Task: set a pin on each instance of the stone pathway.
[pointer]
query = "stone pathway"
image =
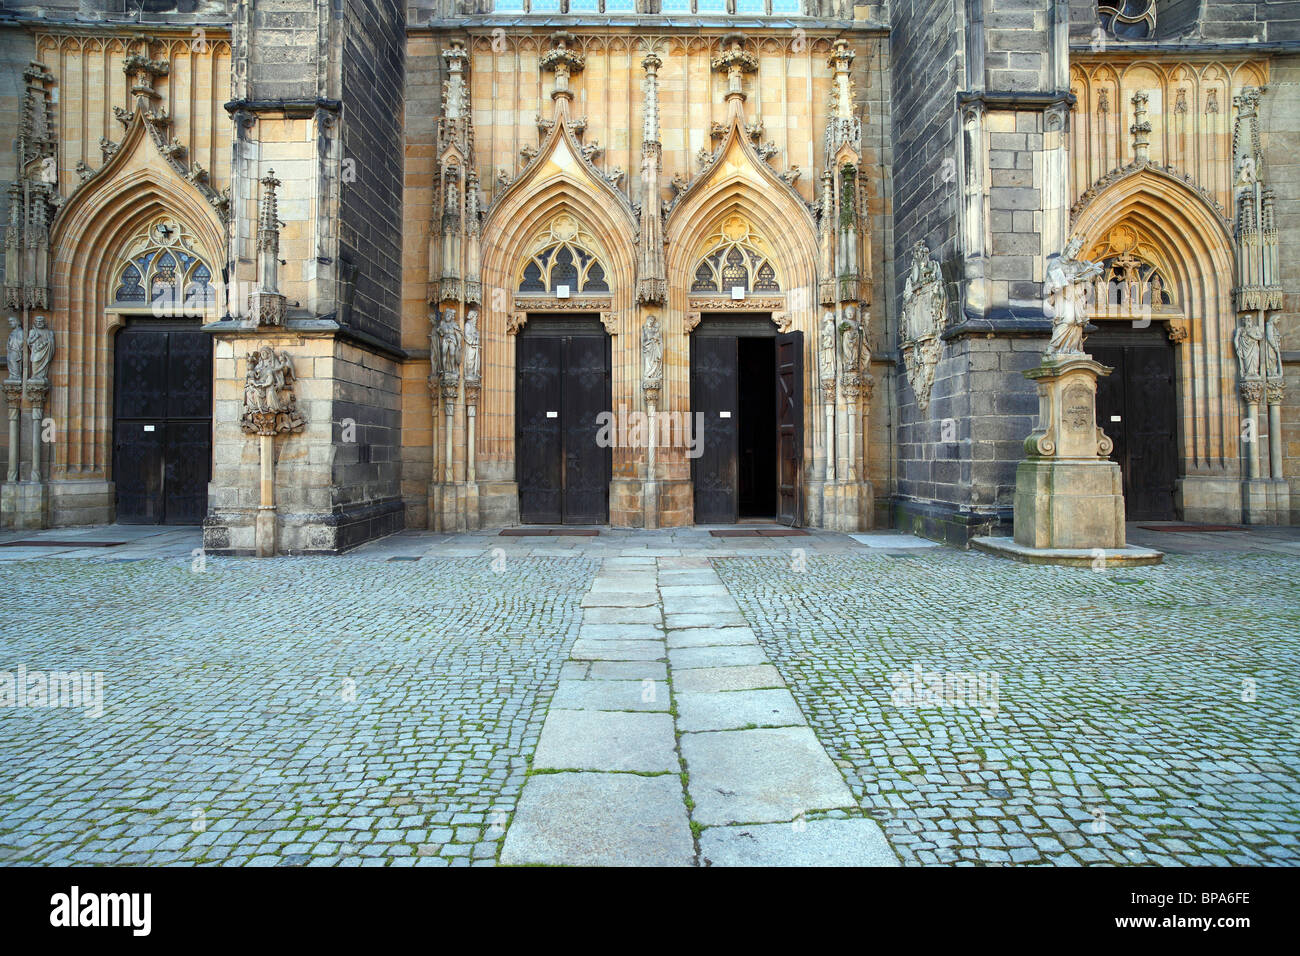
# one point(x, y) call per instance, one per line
point(434, 700)
point(671, 740)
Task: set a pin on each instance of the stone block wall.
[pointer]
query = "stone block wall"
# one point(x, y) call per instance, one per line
point(372, 61)
point(1280, 133)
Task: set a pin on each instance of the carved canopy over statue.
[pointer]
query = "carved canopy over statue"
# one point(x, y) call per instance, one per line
point(270, 405)
point(1068, 281)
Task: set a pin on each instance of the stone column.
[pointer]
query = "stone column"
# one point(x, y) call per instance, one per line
point(264, 525)
point(1274, 392)
point(14, 399)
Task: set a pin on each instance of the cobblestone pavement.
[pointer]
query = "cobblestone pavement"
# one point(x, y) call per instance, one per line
point(386, 706)
point(301, 711)
point(1144, 716)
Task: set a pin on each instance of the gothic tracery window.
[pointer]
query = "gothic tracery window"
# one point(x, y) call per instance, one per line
point(562, 256)
point(1132, 275)
point(735, 258)
point(1129, 19)
point(162, 269)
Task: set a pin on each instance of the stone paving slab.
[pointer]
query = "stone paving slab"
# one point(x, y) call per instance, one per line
point(619, 632)
point(622, 615)
point(611, 695)
point(718, 656)
point(760, 776)
point(857, 842)
point(715, 618)
point(628, 670)
point(606, 740)
point(713, 679)
point(617, 650)
point(734, 709)
point(600, 819)
point(620, 599)
point(711, 636)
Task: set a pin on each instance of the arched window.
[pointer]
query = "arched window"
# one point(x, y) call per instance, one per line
point(735, 258)
point(1129, 280)
point(162, 270)
point(1132, 275)
point(563, 257)
point(1129, 19)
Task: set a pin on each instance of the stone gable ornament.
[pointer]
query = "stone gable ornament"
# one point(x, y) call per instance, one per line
point(1068, 281)
point(266, 306)
point(925, 311)
point(270, 405)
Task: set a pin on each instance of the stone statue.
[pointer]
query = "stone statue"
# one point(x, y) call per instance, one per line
point(923, 296)
point(1272, 350)
point(925, 312)
point(449, 339)
point(40, 349)
point(1249, 342)
point(652, 353)
point(850, 340)
point(826, 348)
point(15, 349)
point(270, 404)
point(472, 364)
point(1068, 278)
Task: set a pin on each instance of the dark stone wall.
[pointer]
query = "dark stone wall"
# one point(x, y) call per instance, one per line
point(282, 61)
point(370, 214)
point(367, 399)
point(367, 445)
point(925, 75)
point(1018, 43)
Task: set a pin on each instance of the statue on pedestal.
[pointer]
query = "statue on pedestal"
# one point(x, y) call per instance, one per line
point(1068, 278)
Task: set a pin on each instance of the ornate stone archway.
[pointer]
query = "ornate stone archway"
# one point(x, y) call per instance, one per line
point(1171, 231)
point(89, 239)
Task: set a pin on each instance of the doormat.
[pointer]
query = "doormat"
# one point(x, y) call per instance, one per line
point(55, 543)
point(548, 532)
point(760, 533)
point(1191, 527)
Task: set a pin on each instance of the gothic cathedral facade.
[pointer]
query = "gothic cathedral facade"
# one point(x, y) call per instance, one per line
point(309, 273)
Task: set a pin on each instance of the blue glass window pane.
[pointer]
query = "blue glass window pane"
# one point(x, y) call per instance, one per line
point(620, 6)
point(675, 6)
point(509, 6)
point(584, 6)
point(545, 6)
point(792, 7)
point(750, 6)
point(711, 6)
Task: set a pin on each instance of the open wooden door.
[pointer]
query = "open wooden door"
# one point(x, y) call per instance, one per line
point(789, 424)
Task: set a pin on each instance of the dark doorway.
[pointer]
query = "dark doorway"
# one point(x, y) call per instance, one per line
point(162, 423)
point(562, 385)
point(756, 484)
point(1137, 407)
point(747, 389)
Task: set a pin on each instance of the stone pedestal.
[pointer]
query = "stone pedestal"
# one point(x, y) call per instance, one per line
point(846, 506)
point(1069, 504)
point(1266, 501)
point(25, 505)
